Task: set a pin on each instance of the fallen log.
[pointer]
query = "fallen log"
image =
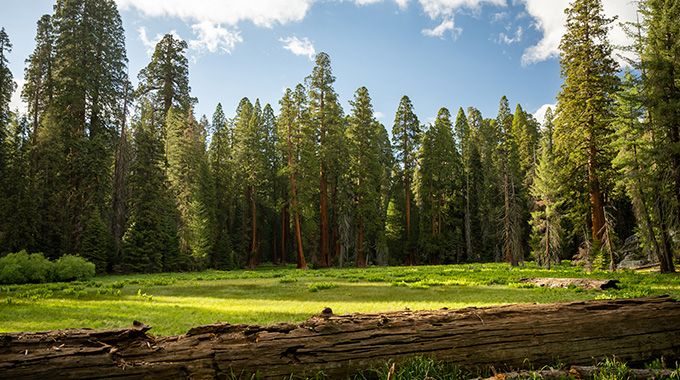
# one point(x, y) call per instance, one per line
point(585, 283)
point(634, 330)
point(582, 372)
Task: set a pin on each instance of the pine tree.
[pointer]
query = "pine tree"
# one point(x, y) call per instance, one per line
point(165, 80)
point(661, 66)
point(7, 84)
point(38, 89)
point(365, 170)
point(509, 161)
point(406, 137)
point(89, 76)
point(438, 175)
point(582, 131)
point(190, 183)
point(546, 191)
point(288, 122)
point(223, 166)
point(96, 242)
point(147, 243)
point(638, 173)
point(325, 121)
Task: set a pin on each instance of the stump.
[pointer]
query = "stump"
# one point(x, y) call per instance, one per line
point(579, 333)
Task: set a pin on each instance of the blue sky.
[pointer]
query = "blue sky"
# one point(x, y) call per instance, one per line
point(441, 53)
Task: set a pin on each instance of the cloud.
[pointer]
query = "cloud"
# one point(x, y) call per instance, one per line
point(505, 39)
point(299, 46)
point(15, 102)
point(264, 13)
point(439, 31)
point(445, 11)
point(151, 43)
point(550, 20)
point(213, 38)
point(539, 115)
point(378, 115)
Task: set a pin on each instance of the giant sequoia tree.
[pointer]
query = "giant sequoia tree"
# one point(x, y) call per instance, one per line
point(582, 131)
point(406, 140)
point(325, 118)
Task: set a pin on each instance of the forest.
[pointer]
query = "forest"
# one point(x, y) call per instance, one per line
point(132, 180)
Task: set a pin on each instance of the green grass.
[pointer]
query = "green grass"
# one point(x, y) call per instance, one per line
point(174, 302)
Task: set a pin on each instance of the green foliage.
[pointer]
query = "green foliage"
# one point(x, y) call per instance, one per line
point(73, 268)
point(96, 242)
point(316, 286)
point(22, 268)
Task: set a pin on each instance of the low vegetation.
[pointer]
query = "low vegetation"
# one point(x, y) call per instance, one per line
point(174, 302)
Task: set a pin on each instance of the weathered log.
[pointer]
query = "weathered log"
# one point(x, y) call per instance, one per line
point(581, 372)
point(585, 283)
point(634, 330)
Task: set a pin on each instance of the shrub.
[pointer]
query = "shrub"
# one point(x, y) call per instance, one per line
point(70, 268)
point(315, 287)
point(22, 268)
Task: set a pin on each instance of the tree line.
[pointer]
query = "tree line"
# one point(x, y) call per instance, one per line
point(130, 179)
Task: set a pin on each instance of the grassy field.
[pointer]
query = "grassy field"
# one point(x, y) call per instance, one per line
point(174, 302)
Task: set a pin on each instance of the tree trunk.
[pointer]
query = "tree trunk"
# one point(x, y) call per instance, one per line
point(596, 199)
point(639, 331)
point(324, 252)
point(361, 258)
point(411, 260)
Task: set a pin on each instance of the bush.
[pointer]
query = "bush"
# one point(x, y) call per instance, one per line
point(73, 268)
point(315, 287)
point(22, 268)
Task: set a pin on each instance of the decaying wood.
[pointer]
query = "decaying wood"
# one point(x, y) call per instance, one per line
point(585, 283)
point(581, 372)
point(634, 330)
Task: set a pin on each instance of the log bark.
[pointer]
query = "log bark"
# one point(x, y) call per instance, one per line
point(580, 372)
point(636, 331)
point(585, 283)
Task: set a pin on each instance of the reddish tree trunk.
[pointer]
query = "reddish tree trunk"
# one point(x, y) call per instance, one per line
point(324, 252)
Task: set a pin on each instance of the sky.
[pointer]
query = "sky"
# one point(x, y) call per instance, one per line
point(440, 53)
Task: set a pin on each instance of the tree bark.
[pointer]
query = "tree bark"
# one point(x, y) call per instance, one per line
point(638, 331)
point(324, 252)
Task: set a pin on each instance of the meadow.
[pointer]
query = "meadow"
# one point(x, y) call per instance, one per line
point(174, 302)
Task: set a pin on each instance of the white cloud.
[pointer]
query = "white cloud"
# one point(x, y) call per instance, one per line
point(447, 8)
point(260, 12)
point(539, 115)
point(15, 102)
point(299, 46)
point(550, 19)
point(151, 43)
point(445, 11)
point(446, 25)
point(378, 115)
point(505, 39)
point(213, 38)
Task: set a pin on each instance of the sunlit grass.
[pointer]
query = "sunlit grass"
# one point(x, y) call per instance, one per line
point(174, 302)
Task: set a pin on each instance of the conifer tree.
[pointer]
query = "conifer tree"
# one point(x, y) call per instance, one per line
point(166, 78)
point(365, 171)
point(325, 121)
point(96, 242)
point(222, 164)
point(661, 67)
point(289, 134)
point(546, 192)
point(149, 244)
point(406, 138)
point(582, 131)
point(509, 167)
point(190, 183)
point(38, 89)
